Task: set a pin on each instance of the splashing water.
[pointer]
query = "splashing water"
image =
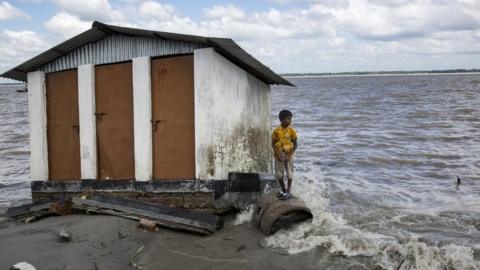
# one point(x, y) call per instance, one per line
point(377, 163)
point(330, 230)
point(245, 215)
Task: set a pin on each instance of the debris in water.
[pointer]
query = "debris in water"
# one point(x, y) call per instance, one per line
point(30, 219)
point(133, 258)
point(148, 224)
point(272, 214)
point(22, 266)
point(63, 236)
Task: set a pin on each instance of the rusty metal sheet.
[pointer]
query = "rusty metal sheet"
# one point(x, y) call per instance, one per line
point(173, 118)
point(114, 113)
point(63, 126)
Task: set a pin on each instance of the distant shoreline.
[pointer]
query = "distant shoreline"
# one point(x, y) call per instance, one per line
point(13, 84)
point(379, 74)
point(355, 74)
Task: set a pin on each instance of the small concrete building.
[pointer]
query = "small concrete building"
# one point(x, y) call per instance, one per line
point(172, 118)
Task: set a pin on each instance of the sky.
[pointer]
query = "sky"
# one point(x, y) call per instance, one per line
point(288, 36)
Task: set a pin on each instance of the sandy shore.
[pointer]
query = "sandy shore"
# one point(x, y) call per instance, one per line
point(106, 242)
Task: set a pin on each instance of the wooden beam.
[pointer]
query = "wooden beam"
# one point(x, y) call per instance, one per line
point(174, 218)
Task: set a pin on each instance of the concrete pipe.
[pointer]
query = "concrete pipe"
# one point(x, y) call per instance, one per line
point(272, 214)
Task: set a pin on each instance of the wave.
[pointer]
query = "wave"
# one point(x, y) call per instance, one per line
point(343, 237)
point(393, 161)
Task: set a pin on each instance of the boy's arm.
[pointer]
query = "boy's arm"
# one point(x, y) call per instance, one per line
point(273, 146)
point(274, 140)
point(294, 147)
point(279, 155)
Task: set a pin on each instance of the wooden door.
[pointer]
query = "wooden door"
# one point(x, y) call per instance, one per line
point(173, 118)
point(62, 126)
point(114, 114)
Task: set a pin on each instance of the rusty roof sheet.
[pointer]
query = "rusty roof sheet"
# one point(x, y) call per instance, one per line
point(224, 46)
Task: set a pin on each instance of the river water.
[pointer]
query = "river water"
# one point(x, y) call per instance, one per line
point(14, 147)
point(377, 163)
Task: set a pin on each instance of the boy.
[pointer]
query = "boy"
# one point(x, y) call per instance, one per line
point(284, 144)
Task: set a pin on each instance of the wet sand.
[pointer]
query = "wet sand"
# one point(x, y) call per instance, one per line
point(106, 242)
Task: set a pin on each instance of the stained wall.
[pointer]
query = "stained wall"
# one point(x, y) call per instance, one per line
point(232, 118)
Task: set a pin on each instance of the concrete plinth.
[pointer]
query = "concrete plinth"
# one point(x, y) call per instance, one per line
point(212, 196)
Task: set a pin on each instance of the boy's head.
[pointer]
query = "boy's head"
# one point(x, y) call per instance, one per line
point(285, 117)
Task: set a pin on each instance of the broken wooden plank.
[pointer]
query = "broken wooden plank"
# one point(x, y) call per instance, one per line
point(169, 217)
point(137, 217)
point(18, 210)
point(161, 220)
point(23, 212)
point(40, 209)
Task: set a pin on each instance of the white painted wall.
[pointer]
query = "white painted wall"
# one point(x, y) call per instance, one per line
point(37, 116)
point(142, 115)
point(232, 118)
point(88, 125)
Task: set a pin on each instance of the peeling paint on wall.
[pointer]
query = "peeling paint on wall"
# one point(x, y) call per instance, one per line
point(232, 118)
point(245, 150)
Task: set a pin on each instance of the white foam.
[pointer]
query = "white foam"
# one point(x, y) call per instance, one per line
point(245, 215)
point(331, 231)
point(418, 255)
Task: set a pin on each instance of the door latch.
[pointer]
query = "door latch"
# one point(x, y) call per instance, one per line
point(76, 127)
point(99, 115)
point(156, 122)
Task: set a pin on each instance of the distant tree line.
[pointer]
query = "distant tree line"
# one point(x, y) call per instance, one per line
point(475, 70)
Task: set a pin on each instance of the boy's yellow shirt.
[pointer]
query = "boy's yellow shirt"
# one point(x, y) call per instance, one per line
point(283, 139)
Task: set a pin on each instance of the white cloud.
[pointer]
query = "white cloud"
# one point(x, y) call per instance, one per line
point(24, 41)
point(18, 46)
point(321, 33)
point(8, 12)
point(157, 10)
point(335, 3)
point(64, 25)
point(400, 19)
point(317, 35)
point(267, 25)
point(360, 35)
point(161, 17)
point(75, 17)
point(90, 9)
point(222, 11)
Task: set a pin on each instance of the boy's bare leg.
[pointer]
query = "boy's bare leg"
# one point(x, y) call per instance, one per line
point(289, 171)
point(289, 184)
point(282, 184)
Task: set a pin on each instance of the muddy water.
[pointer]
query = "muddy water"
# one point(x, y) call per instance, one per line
point(377, 163)
point(14, 148)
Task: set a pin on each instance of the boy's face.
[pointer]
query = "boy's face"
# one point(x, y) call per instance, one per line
point(286, 121)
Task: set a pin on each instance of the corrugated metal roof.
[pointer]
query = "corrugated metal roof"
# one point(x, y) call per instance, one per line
point(116, 48)
point(19, 72)
point(226, 47)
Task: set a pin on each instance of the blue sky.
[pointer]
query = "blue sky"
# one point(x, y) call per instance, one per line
point(287, 35)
